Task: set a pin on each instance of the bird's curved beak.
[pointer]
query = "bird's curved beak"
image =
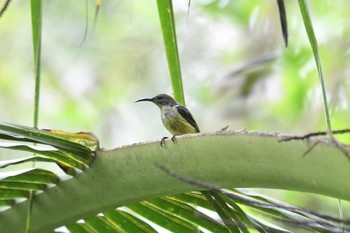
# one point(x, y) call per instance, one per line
point(145, 99)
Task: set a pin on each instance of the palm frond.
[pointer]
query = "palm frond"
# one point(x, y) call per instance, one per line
point(47, 147)
point(128, 177)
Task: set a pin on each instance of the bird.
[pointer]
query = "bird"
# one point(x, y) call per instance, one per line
point(176, 118)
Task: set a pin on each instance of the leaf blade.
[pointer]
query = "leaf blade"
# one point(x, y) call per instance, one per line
point(166, 17)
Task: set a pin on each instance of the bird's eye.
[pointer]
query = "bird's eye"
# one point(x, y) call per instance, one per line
point(159, 98)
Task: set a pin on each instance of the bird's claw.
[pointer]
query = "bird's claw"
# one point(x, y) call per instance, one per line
point(162, 141)
point(224, 128)
point(173, 139)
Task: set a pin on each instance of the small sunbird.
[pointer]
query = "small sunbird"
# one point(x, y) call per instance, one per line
point(176, 118)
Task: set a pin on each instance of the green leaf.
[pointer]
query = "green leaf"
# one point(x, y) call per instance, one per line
point(15, 132)
point(9, 194)
point(313, 42)
point(21, 185)
point(6, 163)
point(37, 176)
point(188, 213)
point(229, 217)
point(251, 220)
point(61, 157)
point(35, 6)
point(6, 202)
point(162, 218)
point(166, 16)
point(128, 222)
point(194, 198)
point(101, 224)
point(80, 228)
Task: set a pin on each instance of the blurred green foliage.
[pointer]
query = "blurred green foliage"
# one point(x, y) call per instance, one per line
point(93, 87)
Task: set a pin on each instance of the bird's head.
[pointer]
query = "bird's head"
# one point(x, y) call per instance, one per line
point(160, 100)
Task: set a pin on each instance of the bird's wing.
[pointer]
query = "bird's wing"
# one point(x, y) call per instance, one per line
point(187, 115)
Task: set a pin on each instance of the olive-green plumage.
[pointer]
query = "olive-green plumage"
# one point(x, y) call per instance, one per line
point(176, 118)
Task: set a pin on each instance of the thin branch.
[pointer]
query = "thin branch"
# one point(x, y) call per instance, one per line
point(283, 19)
point(343, 148)
point(86, 23)
point(188, 9)
point(4, 8)
point(313, 134)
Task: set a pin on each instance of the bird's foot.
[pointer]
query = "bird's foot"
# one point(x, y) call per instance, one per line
point(224, 128)
point(173, 138)
point(162, 141)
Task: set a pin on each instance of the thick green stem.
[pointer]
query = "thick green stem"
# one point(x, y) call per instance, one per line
point(128, 175)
